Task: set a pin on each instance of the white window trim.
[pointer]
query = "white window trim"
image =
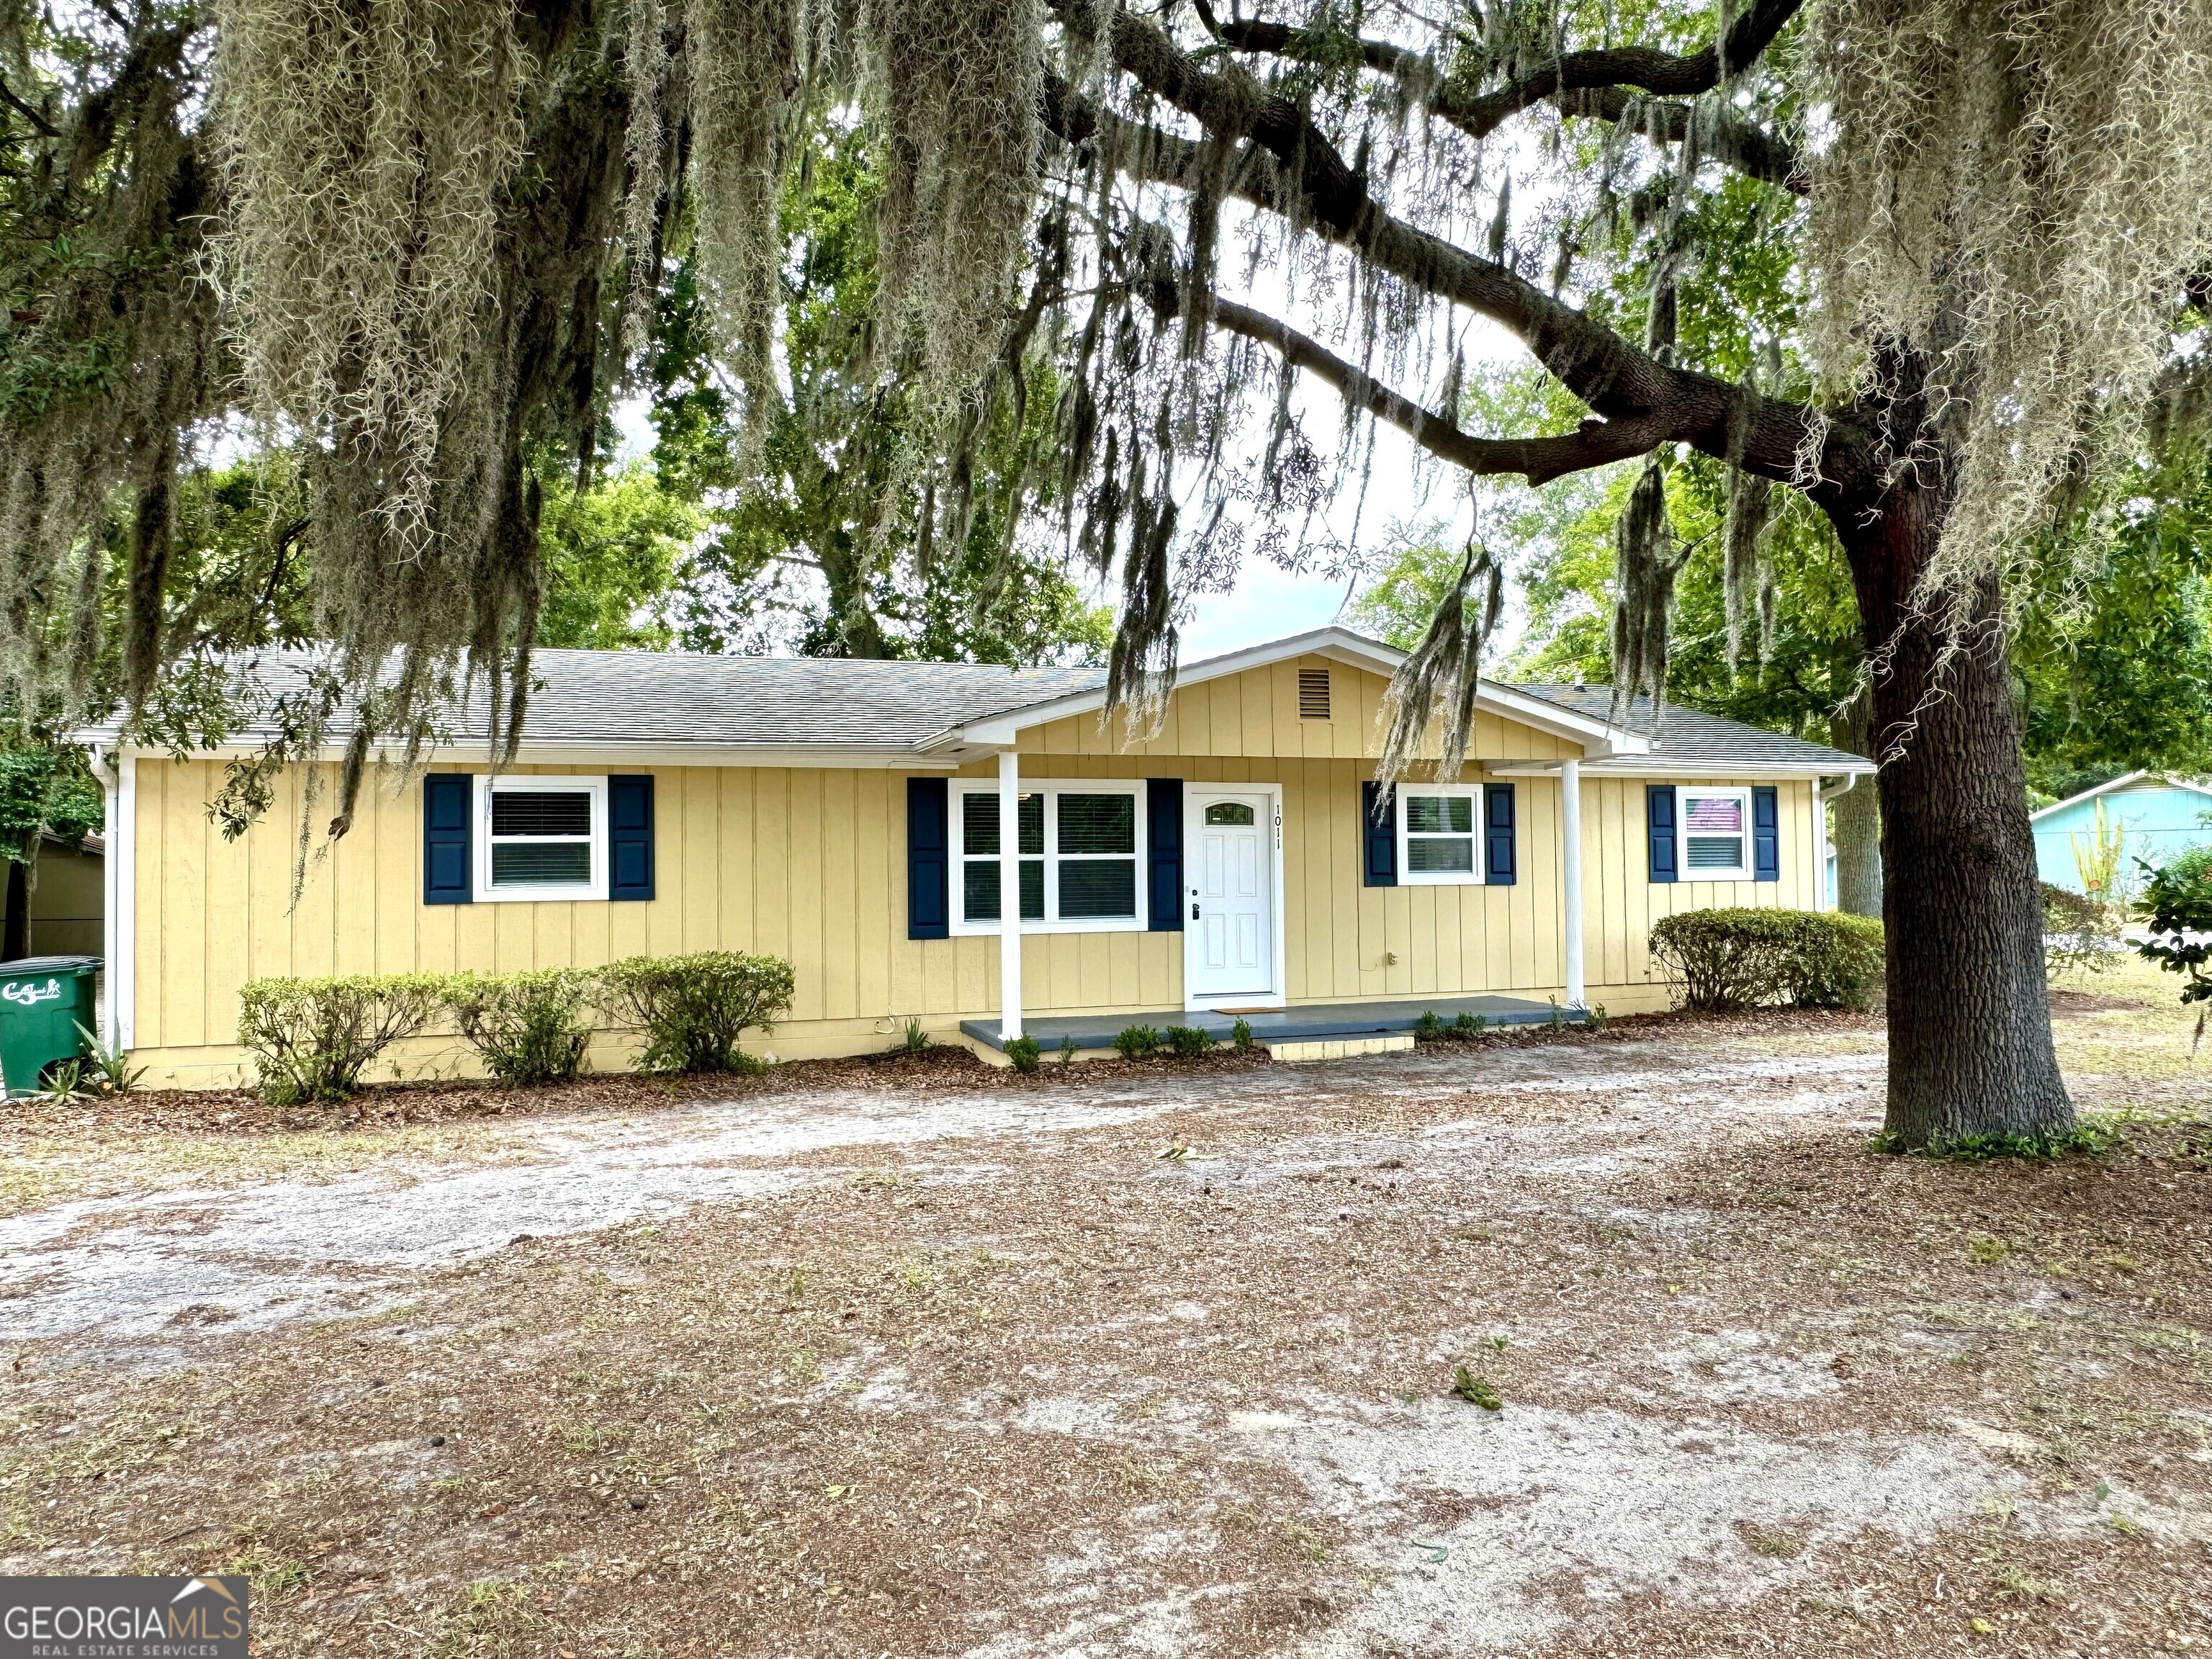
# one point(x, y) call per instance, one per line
point(596, 888)
point(1051, 789)
point(1683, 871)
point(1407, 875)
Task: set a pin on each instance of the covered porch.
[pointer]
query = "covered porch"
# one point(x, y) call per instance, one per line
point(1318, 1022)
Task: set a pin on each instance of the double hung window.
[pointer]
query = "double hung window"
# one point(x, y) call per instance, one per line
point(541, 838)
point(1078, 854)
point(1439, 833)
point(1714, 827)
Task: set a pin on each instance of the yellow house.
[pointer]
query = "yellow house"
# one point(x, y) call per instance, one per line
point(880, 825)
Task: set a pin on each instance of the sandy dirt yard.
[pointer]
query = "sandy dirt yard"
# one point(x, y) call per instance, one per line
point(916, 1359)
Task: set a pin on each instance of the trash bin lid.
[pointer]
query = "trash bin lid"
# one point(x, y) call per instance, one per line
point(28, 965)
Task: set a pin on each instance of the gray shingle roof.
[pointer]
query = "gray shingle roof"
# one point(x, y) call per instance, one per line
point(1690, 738)
point(614, 698)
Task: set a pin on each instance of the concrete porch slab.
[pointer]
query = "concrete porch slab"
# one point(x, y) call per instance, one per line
point(1304, 1022)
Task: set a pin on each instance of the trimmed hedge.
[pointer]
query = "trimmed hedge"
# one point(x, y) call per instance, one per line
point(315, 1039)
point(693, 1010)
point(1740, 958)
point(523, 1026)
point(312, 1039)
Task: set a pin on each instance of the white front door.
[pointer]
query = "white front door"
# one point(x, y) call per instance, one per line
point(1230, 949)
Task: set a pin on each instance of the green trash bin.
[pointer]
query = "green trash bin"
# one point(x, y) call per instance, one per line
point(43, 1001)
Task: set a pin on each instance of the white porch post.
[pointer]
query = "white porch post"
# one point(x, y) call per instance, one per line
point(1570, 884)
point(1010, 894)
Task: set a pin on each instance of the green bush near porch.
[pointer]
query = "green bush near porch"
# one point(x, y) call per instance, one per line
point(312, 1039)
point(695, 1010)
point(1137, 1042)
point(1725, 959)
point(1187, 1042)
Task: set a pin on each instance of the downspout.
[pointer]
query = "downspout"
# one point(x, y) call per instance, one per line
point(1821, 797)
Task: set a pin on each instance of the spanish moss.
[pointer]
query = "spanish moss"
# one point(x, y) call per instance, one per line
point(2016, 194)
point(1436, 687)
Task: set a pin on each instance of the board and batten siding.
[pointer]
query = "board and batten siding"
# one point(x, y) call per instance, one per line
point(809, 863)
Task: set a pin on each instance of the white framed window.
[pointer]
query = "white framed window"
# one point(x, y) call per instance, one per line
point(1712, 834)
point(1439, 834)
point(1082, 856)
point(541, 838)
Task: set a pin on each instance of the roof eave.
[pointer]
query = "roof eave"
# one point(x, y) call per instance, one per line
point(1844, 766)
point(1599, 738)
point(2194, 786)
point(614, 755)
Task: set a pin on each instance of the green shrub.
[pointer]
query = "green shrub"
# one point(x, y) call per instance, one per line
point(1739, 959)
point(1429, 1027)
point(693, 1010)
point(525, 1027)
point(312, 1039)
point(1137, 1042)
point(1188, 1041)
point(916, 1038)
point(1469, 1025)
point(1240, 1034)
point(1839, 962)
point(1024, 1054)
point(2177, 904)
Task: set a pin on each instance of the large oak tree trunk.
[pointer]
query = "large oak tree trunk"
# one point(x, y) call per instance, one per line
point(1970, 1049)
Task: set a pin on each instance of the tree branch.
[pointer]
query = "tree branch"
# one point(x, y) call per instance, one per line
point(46, 129)
point(1597, 85)
point(1668, 74)
point(1540, 460)
point(1729, 139)
point(1614, 378)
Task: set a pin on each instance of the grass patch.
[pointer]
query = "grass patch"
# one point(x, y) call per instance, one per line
point(2095, 1134)
point(1475, 1390)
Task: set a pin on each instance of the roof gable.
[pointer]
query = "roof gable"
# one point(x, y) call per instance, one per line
point(2132, 781)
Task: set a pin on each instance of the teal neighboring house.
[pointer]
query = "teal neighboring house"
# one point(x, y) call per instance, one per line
point(2159, 816)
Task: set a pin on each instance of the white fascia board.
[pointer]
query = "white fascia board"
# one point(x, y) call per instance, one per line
point(2087, 795)
point(633, 758)
point(1598, 738)
point(1856, 765)
point(2193, 785)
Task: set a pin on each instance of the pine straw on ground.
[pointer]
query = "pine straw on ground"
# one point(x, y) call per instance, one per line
point(1184, 1384)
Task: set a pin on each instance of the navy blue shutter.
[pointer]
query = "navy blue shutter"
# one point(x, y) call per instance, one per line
point(447, 797)
point(629, 837)
point(1165, 812)
point(1497, 834)
point(1659, 810)
point(1765, 836)
point(928, 858)
point(1378, 839)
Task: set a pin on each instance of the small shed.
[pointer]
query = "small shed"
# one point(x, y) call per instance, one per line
point(2157, 816)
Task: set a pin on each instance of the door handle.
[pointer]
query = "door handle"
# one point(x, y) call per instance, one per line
point(1194, 909)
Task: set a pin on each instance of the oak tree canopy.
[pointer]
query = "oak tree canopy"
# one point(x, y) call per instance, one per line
point(402, 241)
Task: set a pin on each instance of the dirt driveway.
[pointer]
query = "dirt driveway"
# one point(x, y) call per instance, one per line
point(1148, 1362)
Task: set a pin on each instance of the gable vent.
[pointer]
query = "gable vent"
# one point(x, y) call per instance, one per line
point(1313, 694)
